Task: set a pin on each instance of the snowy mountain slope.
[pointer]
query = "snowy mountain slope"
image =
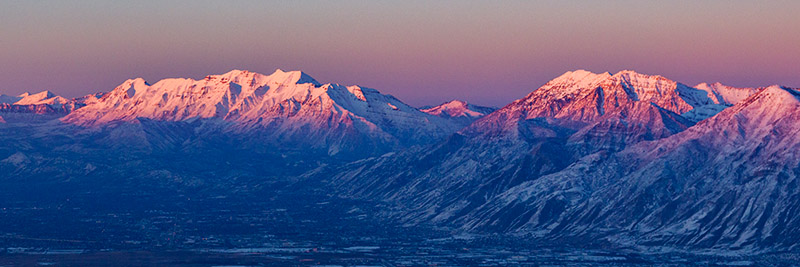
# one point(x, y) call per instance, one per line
point(607, 111)
point(728, 182)
point(283, 108)
point(41, 98)
point(461, 112)
point(44, 102)
point(582, 95)
point(458, 108)
point(723, 96)
point(576, 114)
point(76, 103)
point(726, 95)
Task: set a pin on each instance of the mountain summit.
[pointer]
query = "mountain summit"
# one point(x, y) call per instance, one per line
point(459, 111)
point(607, 110)
point(458, 108)
point(290, 77)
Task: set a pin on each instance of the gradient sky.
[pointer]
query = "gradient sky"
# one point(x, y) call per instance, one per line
point(423, 52)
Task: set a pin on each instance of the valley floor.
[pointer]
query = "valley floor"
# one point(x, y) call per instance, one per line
point(204, 229)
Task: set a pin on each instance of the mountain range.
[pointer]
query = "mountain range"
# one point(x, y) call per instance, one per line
point(626, 158)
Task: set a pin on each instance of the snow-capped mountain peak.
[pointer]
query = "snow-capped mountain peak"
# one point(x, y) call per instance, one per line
point(292, 77)
point(277, 77)
point(458, 112)
point(665, 93)
point(44, 102)
point(720, 96)
point(581, 75)
point(585, 96)
point(572, 81)
point(130, 87)
point(628, 84)
point(725, 95)
point(769, 99)
point(44, 97)
point(457, 108)
point(605, 111)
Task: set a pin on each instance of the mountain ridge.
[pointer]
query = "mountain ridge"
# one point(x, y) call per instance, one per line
point(529, 167)
point(290, 106)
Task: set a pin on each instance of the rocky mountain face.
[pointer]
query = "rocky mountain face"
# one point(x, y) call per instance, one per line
point(605, 157)
point(722, 96)
point(726, 95)
point(728, 182)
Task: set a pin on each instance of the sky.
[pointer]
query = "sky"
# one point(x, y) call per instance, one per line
point(423, 52)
